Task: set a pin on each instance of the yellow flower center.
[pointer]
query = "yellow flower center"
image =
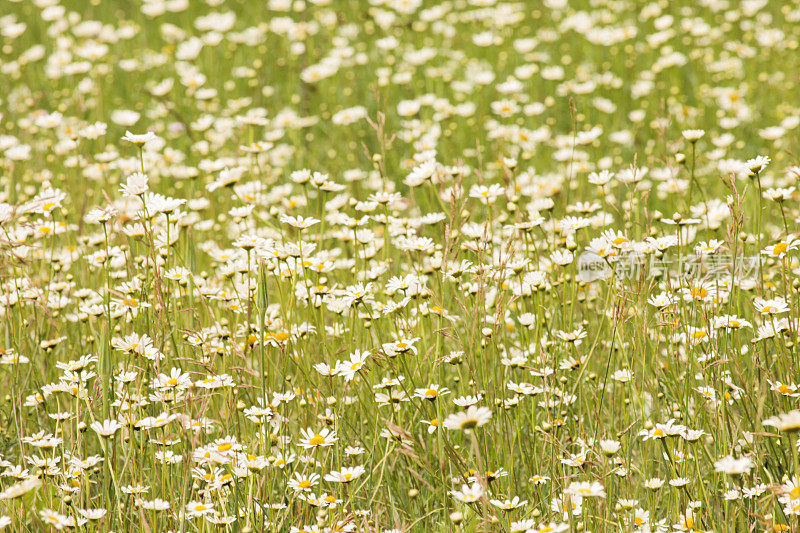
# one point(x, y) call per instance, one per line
point(469, 423)
point(699, 292)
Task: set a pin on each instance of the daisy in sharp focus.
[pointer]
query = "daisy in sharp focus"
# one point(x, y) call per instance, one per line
point(345, 475)
point(781, 248)
point(431, 392)
point(310, 439)
point(471, 418)
point(468, 493)
point(773, 306)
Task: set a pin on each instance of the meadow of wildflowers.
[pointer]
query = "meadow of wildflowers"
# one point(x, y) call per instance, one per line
point(399, 265)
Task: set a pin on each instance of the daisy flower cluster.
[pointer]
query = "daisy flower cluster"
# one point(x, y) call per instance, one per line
point(391, 265)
